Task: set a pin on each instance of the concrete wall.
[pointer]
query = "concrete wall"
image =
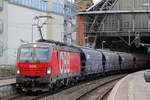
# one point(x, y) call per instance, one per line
point(18, 24)
point(20, 20)
point(74, 35)
point(4, 34)
point(55, 27)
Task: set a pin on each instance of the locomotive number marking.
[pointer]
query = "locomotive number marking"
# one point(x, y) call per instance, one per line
point(64, 62)
point(32, 66)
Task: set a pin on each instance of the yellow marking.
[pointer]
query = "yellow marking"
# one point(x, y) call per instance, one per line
point(17, 85)
point(49, 85)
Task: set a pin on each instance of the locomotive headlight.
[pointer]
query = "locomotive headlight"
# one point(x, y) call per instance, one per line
point(49, 70)
point(18, 70)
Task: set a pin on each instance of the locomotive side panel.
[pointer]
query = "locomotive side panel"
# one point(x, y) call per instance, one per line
point(65, 64)
point(54, 64)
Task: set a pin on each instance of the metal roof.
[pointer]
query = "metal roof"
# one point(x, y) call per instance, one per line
point(115, 12)
point(35, 45)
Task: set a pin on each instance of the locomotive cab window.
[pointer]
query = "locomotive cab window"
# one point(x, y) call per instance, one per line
point(26, 55)
point(34, 55)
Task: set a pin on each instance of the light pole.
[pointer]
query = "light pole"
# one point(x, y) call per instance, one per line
point(103, 44)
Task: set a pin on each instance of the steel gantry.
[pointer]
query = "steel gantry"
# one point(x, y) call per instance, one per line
point(127, 19)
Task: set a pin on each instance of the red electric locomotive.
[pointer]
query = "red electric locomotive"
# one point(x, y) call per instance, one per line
point(46, 65)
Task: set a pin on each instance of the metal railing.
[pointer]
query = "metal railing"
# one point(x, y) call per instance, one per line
point(7, 71)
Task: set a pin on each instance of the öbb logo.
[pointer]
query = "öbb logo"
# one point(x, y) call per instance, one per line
point(64, 62)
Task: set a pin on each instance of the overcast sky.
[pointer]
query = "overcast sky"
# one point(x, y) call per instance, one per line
point(95, 1)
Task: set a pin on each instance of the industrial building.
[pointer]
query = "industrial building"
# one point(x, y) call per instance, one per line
point(62, 11)
point(117, 24)
point(18, 24)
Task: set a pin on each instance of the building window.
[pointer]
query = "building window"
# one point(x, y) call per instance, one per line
point(1, 49)
point(36, 4)
point(1, 5)
point(1, 26)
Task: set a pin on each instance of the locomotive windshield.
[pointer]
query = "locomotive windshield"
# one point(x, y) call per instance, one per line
point(34, 55)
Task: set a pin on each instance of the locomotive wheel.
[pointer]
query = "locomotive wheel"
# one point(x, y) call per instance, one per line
point(19, 90)
point(76, 80)
point(72, 82)
point(66, 82)
point(56, 86)
point(29, 91)
point(51, 88)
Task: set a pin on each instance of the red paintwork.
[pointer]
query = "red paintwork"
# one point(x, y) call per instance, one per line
point(40, 69)
point(74, 62)
point(26, 70)
point(141, 62)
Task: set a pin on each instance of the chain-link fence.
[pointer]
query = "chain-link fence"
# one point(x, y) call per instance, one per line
point(7, 71)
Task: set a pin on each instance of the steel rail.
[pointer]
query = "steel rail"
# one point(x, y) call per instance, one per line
point(96, 87)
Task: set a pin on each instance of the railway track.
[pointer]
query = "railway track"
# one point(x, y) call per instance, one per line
point(81, 91)
point(104, 95)
point(99, 91)
point(77, 92)
point(28, 96)
point(34, 95)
